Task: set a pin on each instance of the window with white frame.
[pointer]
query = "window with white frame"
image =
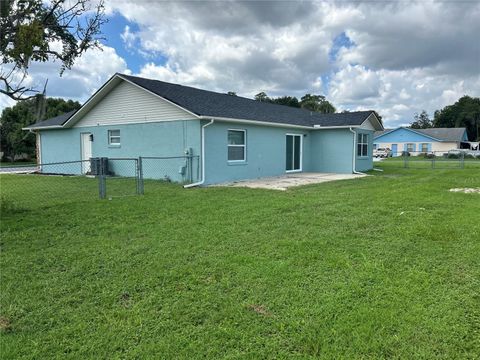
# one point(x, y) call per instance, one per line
point(424, 147)
point(410, 147)
point(362, 145)
point(237, 145)
point(113, 137)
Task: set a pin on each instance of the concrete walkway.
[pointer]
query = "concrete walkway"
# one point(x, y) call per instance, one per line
point(289, 180)
point(18, 170)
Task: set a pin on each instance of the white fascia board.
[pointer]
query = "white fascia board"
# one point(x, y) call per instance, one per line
point(336, 127)
point(104, 89)
point(254, 122)
point(43, 127)
point(380, 125)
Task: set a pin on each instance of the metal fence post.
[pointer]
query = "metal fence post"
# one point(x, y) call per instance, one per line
point(102, 186)
point(462, 160)
point(433, 160)
point(140, 186)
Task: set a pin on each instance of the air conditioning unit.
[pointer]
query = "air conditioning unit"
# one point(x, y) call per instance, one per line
point(99, 166)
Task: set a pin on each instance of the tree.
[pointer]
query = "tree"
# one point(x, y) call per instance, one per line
point(464, 113)
point(233, 93)
point(15, 141)
point(40, 31)
point(291, 101)
point(422, 121)
point(261, 96)
point(317, 103)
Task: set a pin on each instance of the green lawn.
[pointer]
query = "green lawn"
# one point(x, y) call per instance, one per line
point(420, 162)
point(381, 267)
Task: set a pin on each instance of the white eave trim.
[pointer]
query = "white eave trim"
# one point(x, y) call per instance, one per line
point(265, 123)
point(379, 126)
point(254, 122)
point(43, 127)
point(161, 97)
point(101, 92)
point(85, 105)
point(319, 127)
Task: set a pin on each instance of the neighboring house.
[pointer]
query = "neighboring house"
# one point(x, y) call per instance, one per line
point(416, 141)
point(235, 138)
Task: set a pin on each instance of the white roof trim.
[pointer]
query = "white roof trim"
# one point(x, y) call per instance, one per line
point(254, 122)
point(161, 97)
point(43, 127)
point(95, 95)
point(104, 90)
point(378, 126)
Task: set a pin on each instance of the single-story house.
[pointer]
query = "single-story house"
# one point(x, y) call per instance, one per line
point(416, 141)
point(235, 138)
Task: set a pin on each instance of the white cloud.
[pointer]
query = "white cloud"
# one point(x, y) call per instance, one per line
point(86, 76)
point(405, 57)
point(128, 37)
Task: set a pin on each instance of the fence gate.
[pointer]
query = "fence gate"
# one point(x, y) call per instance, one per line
point(117, 176)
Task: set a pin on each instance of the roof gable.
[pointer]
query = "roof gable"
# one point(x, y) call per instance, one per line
point(403, 134)
point(446, 134)
point(128, 104)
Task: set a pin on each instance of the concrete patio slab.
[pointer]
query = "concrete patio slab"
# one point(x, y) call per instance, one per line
point(290, 180)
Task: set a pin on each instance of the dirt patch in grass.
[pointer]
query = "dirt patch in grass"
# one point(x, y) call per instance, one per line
point(260, 310)
point(5, 324)
point(125, 300)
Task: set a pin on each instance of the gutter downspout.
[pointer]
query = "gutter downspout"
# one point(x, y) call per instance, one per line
point(203, 158)
point(354, 152)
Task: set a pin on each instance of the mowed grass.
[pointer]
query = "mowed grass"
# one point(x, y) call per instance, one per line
point(421, 162)
point(381, 267)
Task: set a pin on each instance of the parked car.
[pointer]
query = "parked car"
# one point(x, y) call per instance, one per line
point(382, 153)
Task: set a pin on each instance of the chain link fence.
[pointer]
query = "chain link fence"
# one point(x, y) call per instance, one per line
point(33, 186)
point(453, 159)
point(178, 169)
point(28, 186)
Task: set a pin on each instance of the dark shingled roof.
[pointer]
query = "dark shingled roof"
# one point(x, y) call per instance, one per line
point(441, 134)
point(209, 103)
point(55, 121)
point(444, 134)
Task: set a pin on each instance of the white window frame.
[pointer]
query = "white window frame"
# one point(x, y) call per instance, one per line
point(421, 147)
point(364, 141)
point(412, 147)
point(110, 137)
point(244, 146)
point(301, 152)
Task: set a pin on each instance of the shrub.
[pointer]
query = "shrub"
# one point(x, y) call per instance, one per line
point(453, 156)
point(405, 153)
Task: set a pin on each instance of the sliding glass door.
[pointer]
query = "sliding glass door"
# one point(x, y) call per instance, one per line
point(294, 153)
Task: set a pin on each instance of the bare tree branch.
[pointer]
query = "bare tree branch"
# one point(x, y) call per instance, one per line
point(31, 26)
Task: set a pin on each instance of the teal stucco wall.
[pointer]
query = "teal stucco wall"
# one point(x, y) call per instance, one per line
point(365, 163)
point(168, 138)
point(266, 152)
point(326, 150)
point(332, 151)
